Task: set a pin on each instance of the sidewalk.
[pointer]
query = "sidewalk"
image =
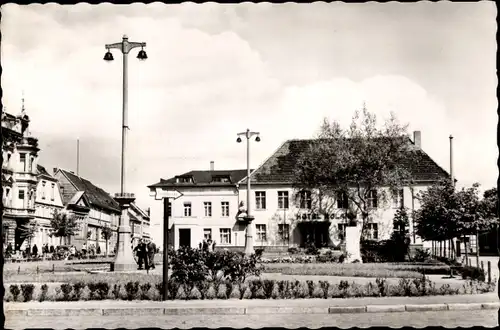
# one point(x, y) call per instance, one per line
point(225, 307)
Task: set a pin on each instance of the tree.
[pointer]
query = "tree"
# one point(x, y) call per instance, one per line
point(106, 233)
point(489, 210)
point(362, 164)
point(63, 225)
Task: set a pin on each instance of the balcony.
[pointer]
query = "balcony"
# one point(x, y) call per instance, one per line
point(19, 213)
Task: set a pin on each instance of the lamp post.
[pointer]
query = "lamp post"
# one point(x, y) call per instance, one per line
point(124, 258)
point(248, 219)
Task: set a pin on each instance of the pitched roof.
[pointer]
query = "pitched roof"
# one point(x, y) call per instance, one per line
point(203, 178)
point(279, 168)
point(96, 196)
point(42, 171)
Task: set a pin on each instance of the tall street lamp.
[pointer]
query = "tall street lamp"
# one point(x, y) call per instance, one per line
point(124, 257)
point(248, 218)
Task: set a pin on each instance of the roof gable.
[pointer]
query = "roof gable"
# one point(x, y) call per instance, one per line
point(279, 168)
point(95, 195)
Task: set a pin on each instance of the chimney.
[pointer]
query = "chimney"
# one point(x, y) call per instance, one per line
point(212, 165)
point(54, 170)
point(417, 139)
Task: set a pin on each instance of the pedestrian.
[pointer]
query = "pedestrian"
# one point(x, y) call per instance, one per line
point(84, 250)
point(205, 245)
point(142, 254)
point(35, 250)
point(51, 248)
point(28, 251)
point(98, 249)
point(151, 254)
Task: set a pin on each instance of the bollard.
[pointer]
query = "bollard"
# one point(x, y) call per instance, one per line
point(37, 270)
point(18, 270)
point(489, 271)
point(53, 268)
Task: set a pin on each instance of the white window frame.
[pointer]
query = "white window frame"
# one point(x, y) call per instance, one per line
point(260, 200)
point(283, 200)
point(224, 208)
point(372, 199)
point(22, 160)
point(261, 230)
point(225, 236)
point(342, 201)
point(207, 231)
point(305, 200)
point(284, 231)
point(208, 208)
point(372, 230)
point(188, 209)
point(398, 198)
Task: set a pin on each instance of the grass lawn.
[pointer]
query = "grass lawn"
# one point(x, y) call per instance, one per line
point(387, 270)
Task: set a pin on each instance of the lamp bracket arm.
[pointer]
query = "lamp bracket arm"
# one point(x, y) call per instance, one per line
point(117, 45)
point(128, 46)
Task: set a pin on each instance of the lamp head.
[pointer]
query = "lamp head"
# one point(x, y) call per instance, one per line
point(238, 139)
point(257, 138)
point(108, 56)
point(142, 55)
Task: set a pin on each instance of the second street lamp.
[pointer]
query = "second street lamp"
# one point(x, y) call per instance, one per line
point(124, 256)
point(248, 218)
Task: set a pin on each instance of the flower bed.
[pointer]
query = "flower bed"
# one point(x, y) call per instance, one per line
point(255, 289)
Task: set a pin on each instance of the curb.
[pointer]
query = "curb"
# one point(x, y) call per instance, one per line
point(127, 311)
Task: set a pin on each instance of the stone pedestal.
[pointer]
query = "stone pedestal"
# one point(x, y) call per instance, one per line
point(124, 260)
point(249, 236)
point(352, 240)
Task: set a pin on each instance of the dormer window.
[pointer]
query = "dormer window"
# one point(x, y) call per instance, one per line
point(185, 179)
point(221, 178)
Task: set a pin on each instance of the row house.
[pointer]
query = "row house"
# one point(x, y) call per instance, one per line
point(19, 177)
point(284, 216)
point(95, 209)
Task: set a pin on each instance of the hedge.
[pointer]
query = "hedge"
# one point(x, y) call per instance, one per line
point(255, 289)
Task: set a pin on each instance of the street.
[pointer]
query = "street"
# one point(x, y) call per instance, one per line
point(486, 318)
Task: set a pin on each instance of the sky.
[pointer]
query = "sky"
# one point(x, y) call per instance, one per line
point(215, 70)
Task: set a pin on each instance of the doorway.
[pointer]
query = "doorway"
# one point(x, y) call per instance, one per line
point(185, 237)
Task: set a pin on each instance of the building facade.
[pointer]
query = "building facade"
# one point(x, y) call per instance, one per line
point(283, 215)
point(48, 201)
point(19, 177)
point(95, 209)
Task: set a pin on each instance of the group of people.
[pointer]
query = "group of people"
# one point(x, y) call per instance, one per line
point(145, 251)
point(33, 251)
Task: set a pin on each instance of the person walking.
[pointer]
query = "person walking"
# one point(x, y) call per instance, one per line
point(84, 250)
point(140, 249)
point(151, 254)
point(35, 250)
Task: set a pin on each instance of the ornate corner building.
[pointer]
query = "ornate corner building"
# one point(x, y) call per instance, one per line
point(19, 176)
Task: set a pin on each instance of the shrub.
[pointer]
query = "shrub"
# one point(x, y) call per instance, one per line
point(181, 293)
point(77, 290)
point(131, 289)
point(421, 255)
point(293, 250)
point(188, 265)
point(275, 292)
point(27, 290)
point(86, 295)
point(145, 290)
point(247, 294)
point(259, 252)
point(311, 249)
point(66, 291)
point(301, 290)
point(43, 292)
point(210, 293)
point(116, 291)
point(382, 286)
point(102, 290)
point(318, 291)
point(473, 273)
point(222, 291)
point(14, 290)
point(194, 294)
point(235, 292)
point(268, 288)
point(405, 287)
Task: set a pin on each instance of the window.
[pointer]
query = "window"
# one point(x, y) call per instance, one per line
point(372, 230)
point(32, 160)
point(184, 179)
point(225, 209)
point(23, 162)
point(43, 189)
point(261, 233)
point(53, 192)
point(342, 227)
point(207, 233)
point(208, 208)
point(372, 200)
point(283, 231)
point(260, 200)
point(225, 236)
point(305, 200)
point(187, 209)
point(224, 179)
point(398, 199)
point(21, 195)
point(283, 199)
point(342, 200)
